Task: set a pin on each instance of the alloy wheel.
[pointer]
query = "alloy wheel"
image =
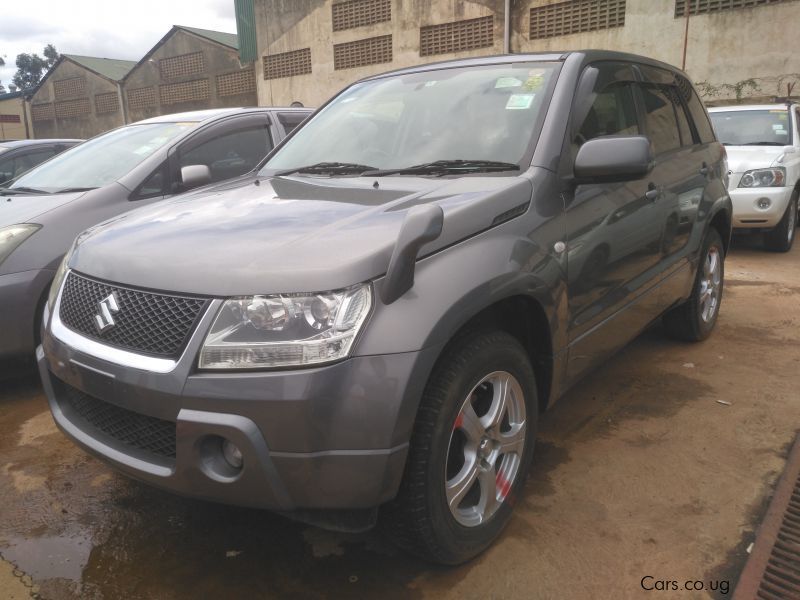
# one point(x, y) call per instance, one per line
point(486, 449)
point(710, 284)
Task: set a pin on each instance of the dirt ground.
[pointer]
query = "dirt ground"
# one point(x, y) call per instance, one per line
point(640, 476)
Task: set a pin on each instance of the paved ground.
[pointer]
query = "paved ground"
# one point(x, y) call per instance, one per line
point(640, 472)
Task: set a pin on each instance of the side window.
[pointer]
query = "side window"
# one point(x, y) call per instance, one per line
point(660, 119)
point(683, 119)
point(230, 154)
point(6, 170)
point(30, 160)
point(291, 120)
point(154, 185)
point(613, 112)
point(697, 110)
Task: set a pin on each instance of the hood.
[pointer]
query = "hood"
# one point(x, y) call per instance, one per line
point(282, 235)
point(24, 208)
point(746, 158)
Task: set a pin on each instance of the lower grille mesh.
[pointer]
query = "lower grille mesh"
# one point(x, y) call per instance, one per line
point(149, 434)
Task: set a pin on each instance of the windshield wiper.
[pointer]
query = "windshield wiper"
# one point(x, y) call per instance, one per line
point(334, 168)
point(75, 189)
point(448, 166)
point(20, 190)
point(764, 144)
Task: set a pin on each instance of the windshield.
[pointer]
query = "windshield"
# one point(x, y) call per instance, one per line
point(486, 113)
point(753, 127)
point(101, 160)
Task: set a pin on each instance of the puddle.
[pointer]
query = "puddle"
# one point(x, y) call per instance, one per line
point(56, 557)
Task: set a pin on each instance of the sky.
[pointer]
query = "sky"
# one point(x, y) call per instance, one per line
point(104, 28)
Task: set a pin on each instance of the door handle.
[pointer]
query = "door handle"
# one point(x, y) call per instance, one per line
point(653, 193)
point(704, 170)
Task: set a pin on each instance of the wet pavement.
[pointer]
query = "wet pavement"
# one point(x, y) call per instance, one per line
point(640, 472)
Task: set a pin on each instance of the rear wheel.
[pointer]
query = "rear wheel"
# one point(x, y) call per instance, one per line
point(781, 238)
point(470, 450)
point(694, 320)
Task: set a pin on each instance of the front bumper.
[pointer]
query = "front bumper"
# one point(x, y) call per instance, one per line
point(747, 214)
point(321, 438)
point(19, 300)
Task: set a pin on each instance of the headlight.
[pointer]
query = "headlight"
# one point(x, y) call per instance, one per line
point(757, 178)
point(58, 279)
point(13, 235)
point(285, 330)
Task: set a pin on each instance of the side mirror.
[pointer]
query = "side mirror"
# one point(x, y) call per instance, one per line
point(614, 158)
point(195, 175)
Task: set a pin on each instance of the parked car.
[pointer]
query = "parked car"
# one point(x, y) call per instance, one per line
point(763, 144)
point(19, 156)
point(42, 211)
point(376, 318)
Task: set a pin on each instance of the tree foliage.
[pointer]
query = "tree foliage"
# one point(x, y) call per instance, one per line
point(32, 67)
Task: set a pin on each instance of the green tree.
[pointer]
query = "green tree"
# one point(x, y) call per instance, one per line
point(2, 64)
point(32, 67)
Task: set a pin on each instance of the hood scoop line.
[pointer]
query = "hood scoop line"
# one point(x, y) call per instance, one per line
point(422, 224)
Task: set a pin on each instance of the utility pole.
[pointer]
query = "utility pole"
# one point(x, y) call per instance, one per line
point(688, 12)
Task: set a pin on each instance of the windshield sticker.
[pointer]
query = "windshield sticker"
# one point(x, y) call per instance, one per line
point(781, 132)
point(143, 150)
point(507, 82)
point(777, 126)
point(519, 101)
point(535, 80)
point(430, 83)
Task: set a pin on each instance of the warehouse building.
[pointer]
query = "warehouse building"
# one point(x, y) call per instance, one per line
point(189, 69)
point(306, 50)
point(79, 97)
point(14, 116)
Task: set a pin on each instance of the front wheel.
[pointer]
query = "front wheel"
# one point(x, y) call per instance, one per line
point(470, 450)
point(694, 320)
point(781, 238)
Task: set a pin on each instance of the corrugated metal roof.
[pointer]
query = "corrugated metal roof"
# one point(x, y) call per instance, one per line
point(226, 39)
point(111, 68)
point(246, 28)
point(10, 95)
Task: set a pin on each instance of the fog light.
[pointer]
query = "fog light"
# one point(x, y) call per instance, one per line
point(232, 454)
point(763, 203)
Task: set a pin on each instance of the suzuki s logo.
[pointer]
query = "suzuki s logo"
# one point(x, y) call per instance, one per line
point(104, 320)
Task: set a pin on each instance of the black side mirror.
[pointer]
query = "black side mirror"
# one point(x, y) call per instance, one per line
point(195, 175)
point(614, 158)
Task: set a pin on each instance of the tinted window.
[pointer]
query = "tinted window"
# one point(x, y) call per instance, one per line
point(291, 120)
point(797, 127)
point(155, 185)
point(753, 127)
point(231, 154)
point(683, 119)
point(660, 120)
point(19, 164)
point(697, 110)
point(613, 112)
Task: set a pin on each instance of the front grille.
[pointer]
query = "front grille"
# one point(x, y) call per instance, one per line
point(148, 434)
point(144, 322)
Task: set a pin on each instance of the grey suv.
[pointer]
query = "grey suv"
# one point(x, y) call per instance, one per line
point(375, 319)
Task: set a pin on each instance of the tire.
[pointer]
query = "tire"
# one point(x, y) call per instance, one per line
point(781, 238)
point(467, 376)
point(694, 320)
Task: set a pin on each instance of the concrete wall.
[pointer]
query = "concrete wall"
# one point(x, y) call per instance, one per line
point(66, 105)
point(286, 25)
point(13, 115)
point(726, 49)
point(152, 88)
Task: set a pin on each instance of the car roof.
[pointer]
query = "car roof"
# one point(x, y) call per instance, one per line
point(22, 143)
point(588, 55)
point(200, 116)
point(737, 107)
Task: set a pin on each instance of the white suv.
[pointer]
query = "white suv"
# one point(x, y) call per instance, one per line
point(763, 144)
